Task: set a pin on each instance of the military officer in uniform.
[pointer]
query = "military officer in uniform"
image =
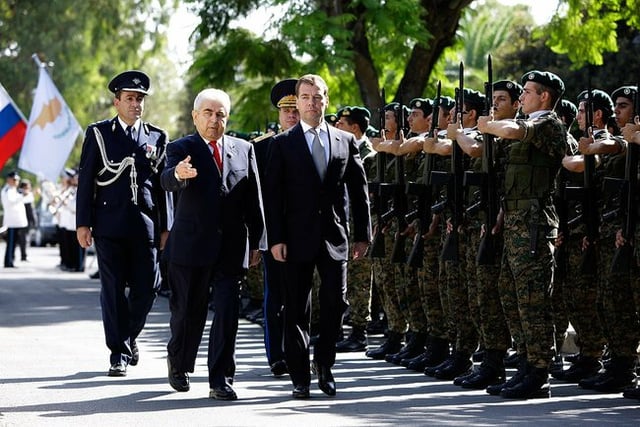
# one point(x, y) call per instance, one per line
point(283, 97)
point(122, 208)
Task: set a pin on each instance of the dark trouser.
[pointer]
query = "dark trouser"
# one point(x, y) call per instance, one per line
point(73, 254)
point(297, 313)
point(129, 262)
point(189, 307)
point(22, 242)
point(12, 236)
point(273, 303)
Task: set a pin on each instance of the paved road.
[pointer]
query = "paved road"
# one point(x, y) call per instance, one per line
point(53, 365)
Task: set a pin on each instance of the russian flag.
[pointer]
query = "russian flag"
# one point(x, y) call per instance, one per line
point(13, 127)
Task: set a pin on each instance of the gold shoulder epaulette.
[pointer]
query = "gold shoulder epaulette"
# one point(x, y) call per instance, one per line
point(262, 137)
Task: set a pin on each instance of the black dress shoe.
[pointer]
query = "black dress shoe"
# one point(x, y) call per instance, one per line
point(279, 368)
point(135, 353)
point(95, 275)
point(178, 380)
point(325, 379)
point(224, 392)
point(300, 392)
point(118, 370)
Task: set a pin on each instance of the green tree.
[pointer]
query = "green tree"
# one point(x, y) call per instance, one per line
point(586, 29)
point(354, 44)
point(89, 42)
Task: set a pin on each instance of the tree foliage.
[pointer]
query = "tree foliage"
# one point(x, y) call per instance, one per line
point(586, 29)
point(361, 44)
point(87, 43)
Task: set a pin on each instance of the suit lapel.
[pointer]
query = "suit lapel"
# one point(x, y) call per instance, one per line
point(228, 157)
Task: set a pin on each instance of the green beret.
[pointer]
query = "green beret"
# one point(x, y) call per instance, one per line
point(544, 78)
point(567, 109)
point(359, 115)
point(514, 88)
point(474, 99)
point(628, 92)
point(423, 104)
point(447, 103)
point(599, 99)
point(332, 119)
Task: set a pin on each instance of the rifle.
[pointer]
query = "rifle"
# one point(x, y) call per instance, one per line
point(377, 246)
point(623, 256)
point(590, 208)
point(450, 249)
point(400, 206)
point(487, 180)
point(424, 193)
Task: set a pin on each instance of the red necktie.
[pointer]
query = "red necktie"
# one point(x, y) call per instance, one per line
point(216, 154)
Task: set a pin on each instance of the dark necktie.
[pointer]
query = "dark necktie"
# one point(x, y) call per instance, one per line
point(317, 152)
point(216, 154)
point(129, 132)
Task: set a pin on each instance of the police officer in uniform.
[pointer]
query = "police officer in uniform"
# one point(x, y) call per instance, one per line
point(121, 206)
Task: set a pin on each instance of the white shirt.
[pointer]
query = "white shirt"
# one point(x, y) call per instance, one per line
point(15, 214)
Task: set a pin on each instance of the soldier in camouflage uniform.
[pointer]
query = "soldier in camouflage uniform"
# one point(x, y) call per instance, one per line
point(494, 334)
point(618, 318)
point(359, 274)
point(537, 146)
point(460, 283)
point(430, 280)
point(410, 293)
point(631, 133)
point(580, 285)
point(384, 274)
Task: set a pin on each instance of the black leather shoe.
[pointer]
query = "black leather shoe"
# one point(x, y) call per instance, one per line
point(583, 367)
point(118, 370)
point(485, 376)
point(391, 345)
point(279, 368)
point(325, 379)
point(300, 392)
point(431, 370)
point(224, 392)
point(135, 353)
point(178, 380)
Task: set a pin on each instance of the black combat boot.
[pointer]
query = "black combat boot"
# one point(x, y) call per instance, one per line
point(460, 365)
point(390, 346)
point(490, 372)
point(413, 347)
point(632, 393)
point(523, 367)
point(535, 384)
point(583, 367)
point(356, 341)
point(618, 376)
point(437, 352)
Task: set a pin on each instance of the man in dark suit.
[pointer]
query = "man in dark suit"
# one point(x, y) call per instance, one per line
point(121, 205)
point(311, 168)
point(217, 233)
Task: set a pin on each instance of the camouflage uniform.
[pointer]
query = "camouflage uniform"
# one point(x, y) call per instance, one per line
point(575, 289)
point(530, 224)
point(619, 317)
